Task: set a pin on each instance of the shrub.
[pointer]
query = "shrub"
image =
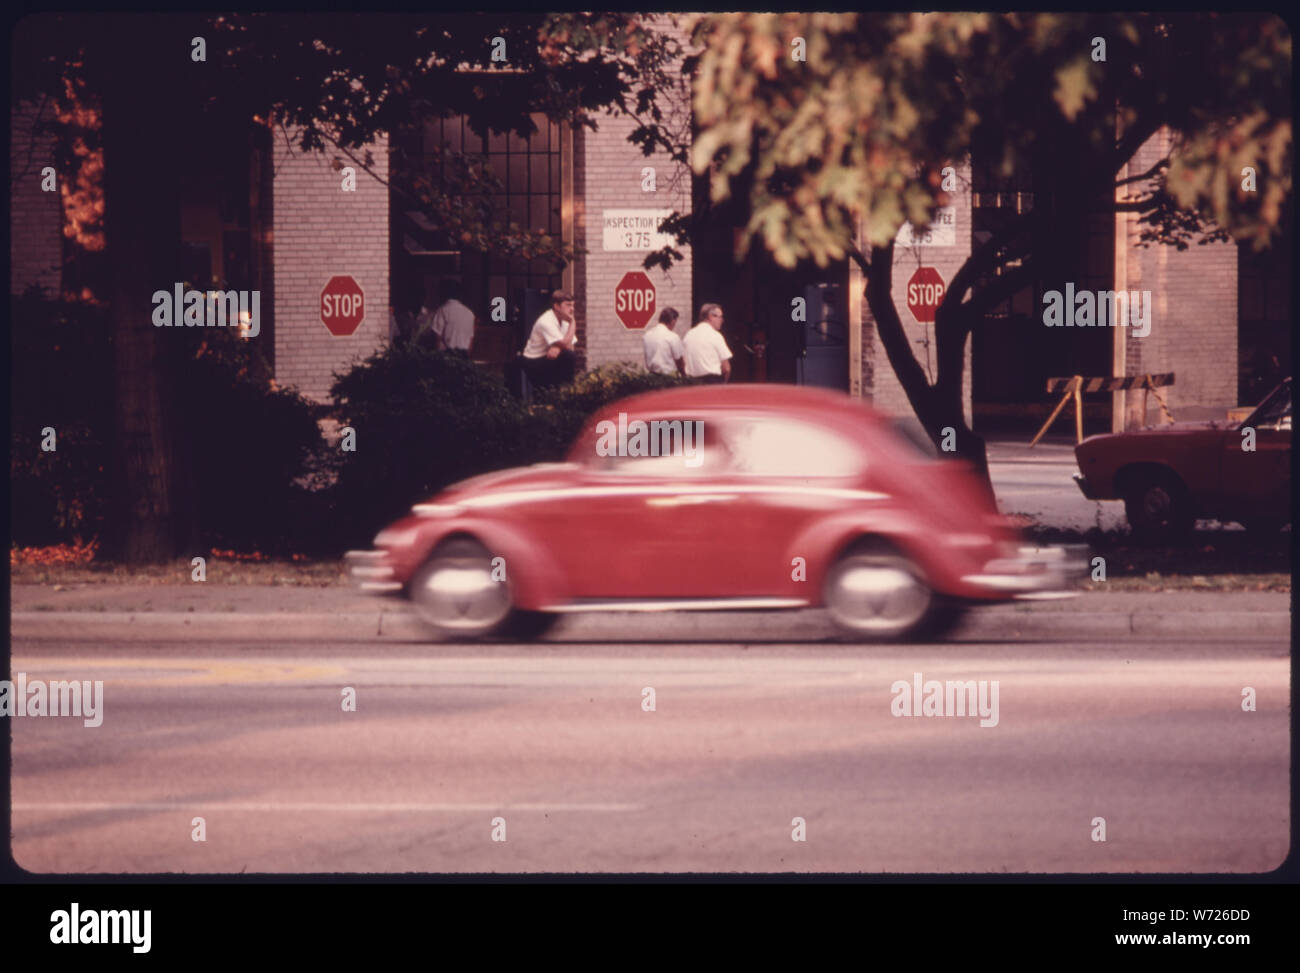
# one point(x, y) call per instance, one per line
point(59, 381)
point(424, 419)
point(239, 443)
point(243, 443)
point(572, 405)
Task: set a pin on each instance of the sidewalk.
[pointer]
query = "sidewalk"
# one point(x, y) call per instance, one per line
point(247, 612)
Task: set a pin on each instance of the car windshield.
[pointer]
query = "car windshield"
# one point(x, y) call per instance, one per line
point(1274, 410)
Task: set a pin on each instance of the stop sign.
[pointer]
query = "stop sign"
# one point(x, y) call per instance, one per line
point(634, 299)
point(925, 289)
point(342, 305)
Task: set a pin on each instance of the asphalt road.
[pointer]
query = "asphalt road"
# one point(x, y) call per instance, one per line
point(744, 738)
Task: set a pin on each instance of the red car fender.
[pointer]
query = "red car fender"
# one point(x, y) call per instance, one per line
point(822, 543)
point(534, 576)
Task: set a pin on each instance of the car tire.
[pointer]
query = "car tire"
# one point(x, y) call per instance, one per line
point(1158, 508)
point(875, 593)
point(455, 594)
point(1264, 525)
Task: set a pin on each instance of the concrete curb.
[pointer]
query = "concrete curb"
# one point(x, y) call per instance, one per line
point(992, 624)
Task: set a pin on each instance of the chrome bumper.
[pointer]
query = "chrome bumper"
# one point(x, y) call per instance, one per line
point(1035, 572)
point(368, 573)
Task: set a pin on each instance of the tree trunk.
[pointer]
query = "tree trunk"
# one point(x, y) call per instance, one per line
point(938, 406)
point(142, 229)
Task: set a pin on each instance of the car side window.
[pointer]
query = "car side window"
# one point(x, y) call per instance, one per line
point(774, 446)
point(658, 446)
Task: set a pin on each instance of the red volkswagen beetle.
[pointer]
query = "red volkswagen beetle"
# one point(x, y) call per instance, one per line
point(715, 497)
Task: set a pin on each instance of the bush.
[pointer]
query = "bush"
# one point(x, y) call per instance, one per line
point(239, 444)
point(59, 381)
point(243, 443)
point(424, 419)
point(572, 405)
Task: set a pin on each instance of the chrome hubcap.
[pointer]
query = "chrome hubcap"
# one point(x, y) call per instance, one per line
point(459, 593)
point(1157, 504)
point(876, 594)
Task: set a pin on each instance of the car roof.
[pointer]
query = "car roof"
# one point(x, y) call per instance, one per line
point(774, 397)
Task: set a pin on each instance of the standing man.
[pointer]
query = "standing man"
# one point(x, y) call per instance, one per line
point(663, 349)
point(548, 354)
point(708, 359)
point(453, 322)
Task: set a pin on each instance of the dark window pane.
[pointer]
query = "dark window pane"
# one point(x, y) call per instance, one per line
point(555, 174)
point(518, 209)
point(451, 130)
point(500, 169)
point(496, 141)
point(517, 144)
point(432, 136)
point(538, 213)
point(518, 182)
point(537, 166)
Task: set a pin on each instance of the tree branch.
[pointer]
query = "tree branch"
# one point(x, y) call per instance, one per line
point(1139, 205)
point(1149, 174)
point(892, 336)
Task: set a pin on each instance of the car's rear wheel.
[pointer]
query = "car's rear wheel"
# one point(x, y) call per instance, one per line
point(456, 594)
point(1264, 525)
point(877, 594)
point(1158, 507)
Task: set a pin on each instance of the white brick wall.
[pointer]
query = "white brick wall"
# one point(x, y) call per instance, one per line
point(611, 176)
point(320, 231)
point(1193, 314)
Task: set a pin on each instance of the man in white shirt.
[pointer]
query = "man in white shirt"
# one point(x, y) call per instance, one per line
point(708, 359)
point(453, 322)
point(663, 349)
point(548, 354)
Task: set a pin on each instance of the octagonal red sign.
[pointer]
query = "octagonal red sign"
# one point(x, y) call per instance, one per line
point(342, 305)
point(925, 290)
point(634, 300)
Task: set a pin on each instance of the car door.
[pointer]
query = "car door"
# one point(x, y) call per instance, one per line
point(791, 472)
point(640, 526)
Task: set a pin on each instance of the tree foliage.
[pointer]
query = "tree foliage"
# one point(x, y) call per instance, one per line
point(863, 126)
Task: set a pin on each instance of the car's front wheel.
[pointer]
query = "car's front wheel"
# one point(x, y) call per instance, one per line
point(1158, 508)
point(458, 593)
point(877, 594)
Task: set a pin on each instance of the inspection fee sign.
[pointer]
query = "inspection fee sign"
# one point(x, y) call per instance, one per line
point(634, 229)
